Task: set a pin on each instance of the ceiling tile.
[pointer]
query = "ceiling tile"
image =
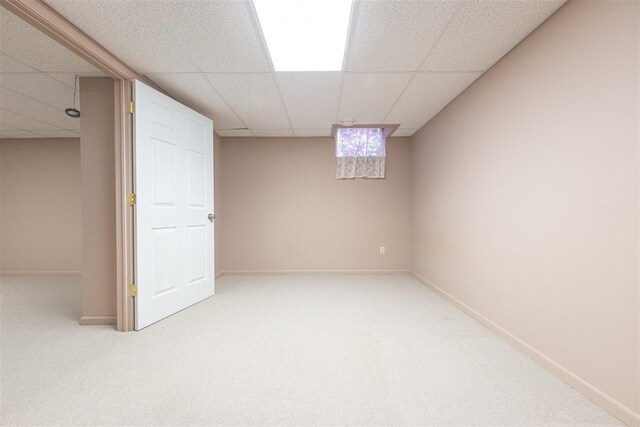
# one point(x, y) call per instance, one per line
point(271, 132)
point(426, 95)
point(146, 35)
point(312, 132)
point(368, 97)
point(229, 133)
point(69, 79)
point(254, 97)
point(10, 65)
point(7, 127)
point(220, 36)
point(26, 44)
point(395, 35)
point(29, 107)
point(41, 87)
point(311, 99)
point(403, 132)
point(59, 134)
point(195, 91)
point(482, 32)
point(19, 134)
point(22, 122)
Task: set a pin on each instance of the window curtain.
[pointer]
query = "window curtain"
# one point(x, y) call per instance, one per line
point(360, 153)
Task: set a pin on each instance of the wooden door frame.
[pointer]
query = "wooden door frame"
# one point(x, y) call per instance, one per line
point(45, 19)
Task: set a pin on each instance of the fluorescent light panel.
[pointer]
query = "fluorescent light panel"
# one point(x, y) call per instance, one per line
point(305, 35)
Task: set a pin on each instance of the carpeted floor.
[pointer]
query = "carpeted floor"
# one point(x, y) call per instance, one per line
point(273, 350)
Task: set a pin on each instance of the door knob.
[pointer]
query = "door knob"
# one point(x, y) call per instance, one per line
point(211, 217)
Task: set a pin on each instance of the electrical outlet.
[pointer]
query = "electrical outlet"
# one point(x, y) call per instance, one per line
point(383, 250)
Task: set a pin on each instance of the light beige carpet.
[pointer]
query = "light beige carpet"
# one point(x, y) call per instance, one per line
point(273, 350)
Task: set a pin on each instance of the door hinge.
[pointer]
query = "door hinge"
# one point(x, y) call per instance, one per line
point(132, 290)
point(131, 199)
point(131, 107)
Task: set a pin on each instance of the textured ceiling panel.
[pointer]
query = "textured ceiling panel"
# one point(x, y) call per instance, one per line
point(41, 87)
point(270, 132)
point(4, 127)
point(393, 35)
point(59, 133)
point(22, 122)
point(368, 97)
point(233, 133)
point(426, 95)
point(19, 134)
point(10, 65)
point(194, 90)
point(254, 97)
point(311, 99)
point(34, 109)
point(36, 81)
point(312, 132)
point(68, 79)
point(482, 32)
point(220, 36)
point(143, 34)
point(31, 47)
point(389, 40)
point(404, 132)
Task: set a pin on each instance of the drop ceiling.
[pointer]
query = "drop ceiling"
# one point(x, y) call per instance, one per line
point(36, 82)
point(405, 60)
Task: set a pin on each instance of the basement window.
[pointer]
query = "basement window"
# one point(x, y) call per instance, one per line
point(361, 151)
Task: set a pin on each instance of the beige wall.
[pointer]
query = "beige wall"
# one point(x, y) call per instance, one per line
point(525, 195)
point(284, 209)
point(97, 156)
point(40, 212)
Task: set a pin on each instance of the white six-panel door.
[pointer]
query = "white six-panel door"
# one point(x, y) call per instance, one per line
point(173, 181)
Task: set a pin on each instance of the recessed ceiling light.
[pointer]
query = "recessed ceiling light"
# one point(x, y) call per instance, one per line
point(305, 35)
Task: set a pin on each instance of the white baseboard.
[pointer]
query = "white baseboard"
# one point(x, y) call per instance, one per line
point(600, 398)
point(40, 273)
point(310, 272)
point(98, 320)
point(218, 275)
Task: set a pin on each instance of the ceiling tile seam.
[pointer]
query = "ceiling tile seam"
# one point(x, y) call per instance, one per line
point(23, 63)
point(78, 74)
point(350, 32)
point(342, 80)
point(36, 120)
point(14, 128)
point(38, 133)
point(37, 70)
point(223, 73)
point(208, 83)
point(380, 72)
point(212, 86)
point(286, 112)
point(31, 98)
point(3, 73)
point(429, 52)
point(355, 12)
point(257, 27)
point(61, 82)
point(522, 40)
point(4, 134)
point(449, 71)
